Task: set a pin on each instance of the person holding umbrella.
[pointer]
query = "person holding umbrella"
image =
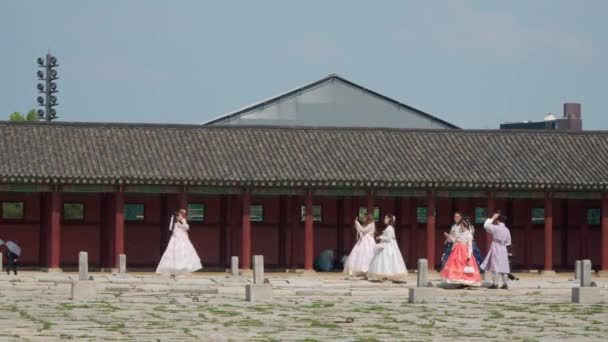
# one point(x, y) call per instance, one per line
point(14, 251)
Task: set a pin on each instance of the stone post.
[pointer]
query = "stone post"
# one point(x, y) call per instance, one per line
point(585, 294)
point(258, 269)
point(578, 268)
point(122, 263)
point(1, 262)
point(258, 291)
point(83, 266)
point(586, 273)
point(423, 268)
point(234, 266)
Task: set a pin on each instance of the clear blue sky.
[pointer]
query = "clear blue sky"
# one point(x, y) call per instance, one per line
point(473, 63)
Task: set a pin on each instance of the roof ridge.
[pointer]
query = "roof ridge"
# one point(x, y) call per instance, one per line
point(296, 128)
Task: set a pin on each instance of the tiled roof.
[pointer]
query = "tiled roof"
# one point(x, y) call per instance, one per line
point(279, 156)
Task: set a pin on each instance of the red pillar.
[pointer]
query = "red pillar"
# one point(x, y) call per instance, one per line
point(430, 230)
point(548, 233)
point(604, 245)
point(294, 213)
point(527, 234)
point(119, 226)
point(54, 231)
point(370, 202)
point(340, 226)
point(182, 200)
point(281, 227)
point(308, 233)
point(490, 207)
point(584, 236)
point(246, 235)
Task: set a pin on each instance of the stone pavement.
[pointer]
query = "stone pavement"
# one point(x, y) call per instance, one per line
point(35, 306)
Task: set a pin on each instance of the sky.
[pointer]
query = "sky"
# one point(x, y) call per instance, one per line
point(472, 63)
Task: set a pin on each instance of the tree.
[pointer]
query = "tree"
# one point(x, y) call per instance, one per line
point(16, 116)
point(31, 116)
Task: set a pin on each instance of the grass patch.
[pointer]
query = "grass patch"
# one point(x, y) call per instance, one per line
point(223, 313)
point(107, 307)
point(319, 305)
point(45, 325)
point(245, 323)
point(318, 324)
point(495, 314)
point(263, 309)
point(68, 306)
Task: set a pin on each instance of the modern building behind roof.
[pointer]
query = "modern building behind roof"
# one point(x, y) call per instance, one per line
point(571, 121)
point(335, 102)
point(289, 193)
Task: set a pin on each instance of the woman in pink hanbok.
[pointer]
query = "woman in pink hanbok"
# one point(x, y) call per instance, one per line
point(363, 252)
point(180, 257)
point(461, 266)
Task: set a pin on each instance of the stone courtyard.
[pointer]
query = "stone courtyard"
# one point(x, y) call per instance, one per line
point(36, 306)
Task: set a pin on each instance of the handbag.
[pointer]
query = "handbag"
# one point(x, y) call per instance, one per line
point(468, 269)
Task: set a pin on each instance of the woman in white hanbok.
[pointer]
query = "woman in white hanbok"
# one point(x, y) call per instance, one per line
point(363, 252)
point(387, 262)
point(180, 257)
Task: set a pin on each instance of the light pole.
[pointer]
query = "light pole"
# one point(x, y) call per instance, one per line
point(48, 88)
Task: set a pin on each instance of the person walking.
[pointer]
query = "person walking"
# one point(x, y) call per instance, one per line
point(497, 260)
point(180, 257)
point(11, 263)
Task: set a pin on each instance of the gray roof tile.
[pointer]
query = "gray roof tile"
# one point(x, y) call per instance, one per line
point(217, 153)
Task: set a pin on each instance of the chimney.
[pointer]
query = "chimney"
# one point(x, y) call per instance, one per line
point(572, 116)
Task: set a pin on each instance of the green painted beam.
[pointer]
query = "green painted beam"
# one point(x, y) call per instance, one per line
point(214, 190)
point(577, 195)
point(25, 188)
point(339, 192)
point(88, 188)
point(277, 191)
point(151, 189)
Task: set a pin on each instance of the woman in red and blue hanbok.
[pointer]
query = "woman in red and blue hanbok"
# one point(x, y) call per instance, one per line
point(461, 266)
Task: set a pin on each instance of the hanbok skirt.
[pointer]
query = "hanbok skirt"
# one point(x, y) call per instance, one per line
point(180, 257)
point(448, 250)
point(453, 271)
point(387, 263)
point(360, 257)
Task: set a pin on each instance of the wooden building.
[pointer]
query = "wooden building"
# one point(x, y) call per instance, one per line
point(288, 193)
